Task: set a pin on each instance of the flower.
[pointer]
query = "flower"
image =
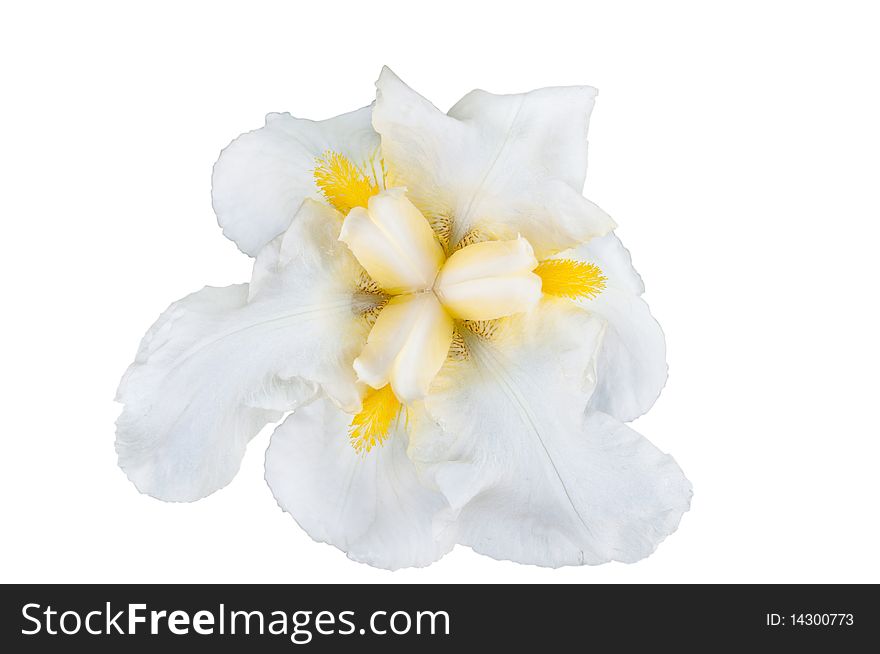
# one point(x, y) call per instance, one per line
point(455, 331)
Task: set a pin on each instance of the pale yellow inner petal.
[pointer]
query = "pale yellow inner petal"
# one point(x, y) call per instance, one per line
point(406, 346)
point(489, 280)
point(394, 243)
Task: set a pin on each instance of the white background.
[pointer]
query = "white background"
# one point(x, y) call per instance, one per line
point(736, 144)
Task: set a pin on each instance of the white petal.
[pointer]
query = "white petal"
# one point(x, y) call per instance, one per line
point(506, 164)
point(631, 364)
point(537, 481)
point(407, 346)
point(489, 280)
point(613, 258)
point(370, 506)
point(216, 367)
point(393, 242)
point(263, 176)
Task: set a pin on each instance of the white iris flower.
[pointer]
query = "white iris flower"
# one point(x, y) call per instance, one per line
point(455, 332)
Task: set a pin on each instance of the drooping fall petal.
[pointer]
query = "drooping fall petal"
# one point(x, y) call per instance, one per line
point(262, 177)
point(371, 507)
point(535, 479)
point(221, 363)
point(631, 364)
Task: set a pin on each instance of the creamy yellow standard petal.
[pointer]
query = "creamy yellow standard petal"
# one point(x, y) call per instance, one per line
point(489, 280)
point(394, 243)
point(407, 346)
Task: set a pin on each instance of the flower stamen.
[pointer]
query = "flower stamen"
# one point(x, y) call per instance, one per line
point(458, 349)
point(570, 279)
point(441, 223)
point(485, 329)
point(472, 236)
point(343, 184)
point(370, 427)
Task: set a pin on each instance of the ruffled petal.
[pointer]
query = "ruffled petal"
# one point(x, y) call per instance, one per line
point(370, 506)
point(501, 164)
point(631, 364)
point(536, 480)
point(262, 177)
point(217, 366)
point(407, 346)
point(394, 243)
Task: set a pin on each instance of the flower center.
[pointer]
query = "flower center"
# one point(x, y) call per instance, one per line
point(402, 254)
point(409, 342)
